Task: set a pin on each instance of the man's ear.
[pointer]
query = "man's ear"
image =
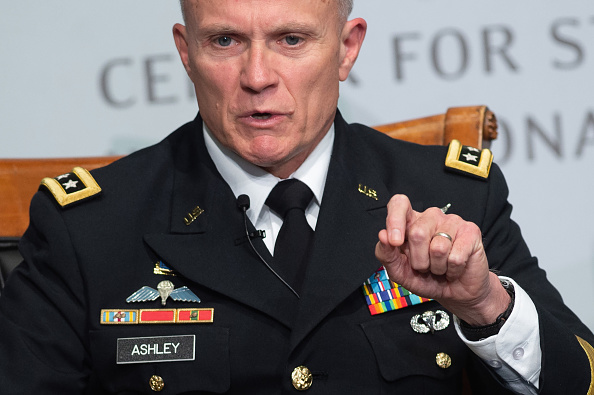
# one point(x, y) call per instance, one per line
point(181, 42)
point(351, 38)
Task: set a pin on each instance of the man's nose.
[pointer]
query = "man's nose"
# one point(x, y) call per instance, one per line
point(258, 71)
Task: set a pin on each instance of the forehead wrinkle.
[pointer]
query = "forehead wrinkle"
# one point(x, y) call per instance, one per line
point(221, 14)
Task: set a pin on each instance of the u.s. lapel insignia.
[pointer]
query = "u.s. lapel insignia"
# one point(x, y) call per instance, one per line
point(192, 215)
point(372, 193)
point(469, 160)
point(162, 269)
point(165, 289)
point(383, 294)
point(72, 187)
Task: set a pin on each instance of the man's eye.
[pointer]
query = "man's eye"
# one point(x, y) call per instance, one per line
point(292, 40)
point(224, 41)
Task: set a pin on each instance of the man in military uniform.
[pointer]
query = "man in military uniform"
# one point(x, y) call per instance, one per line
point(163, 273)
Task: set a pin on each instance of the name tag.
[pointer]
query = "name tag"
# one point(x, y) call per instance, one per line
point(156, 349)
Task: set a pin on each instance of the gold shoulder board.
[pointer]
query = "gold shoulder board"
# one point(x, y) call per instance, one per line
point(72, 187)
point(469, 160)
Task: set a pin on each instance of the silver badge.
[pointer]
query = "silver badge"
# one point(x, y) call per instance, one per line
point(430, 321)
point(165, 289)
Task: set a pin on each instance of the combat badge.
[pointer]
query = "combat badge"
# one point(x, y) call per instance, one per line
point(469, 160)
point(72, 187)
point(165, 289)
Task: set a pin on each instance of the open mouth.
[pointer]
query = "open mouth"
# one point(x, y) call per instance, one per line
point(261, 115)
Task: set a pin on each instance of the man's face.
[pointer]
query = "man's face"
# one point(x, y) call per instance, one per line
point(266, 73)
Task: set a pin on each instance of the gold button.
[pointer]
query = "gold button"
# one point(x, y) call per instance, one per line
point(302, 378)
point(443, 360)
point(156, 383)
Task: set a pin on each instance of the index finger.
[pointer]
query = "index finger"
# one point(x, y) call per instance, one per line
point(400, 213)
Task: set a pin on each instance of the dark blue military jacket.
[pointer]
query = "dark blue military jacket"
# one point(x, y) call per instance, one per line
point(168, 204)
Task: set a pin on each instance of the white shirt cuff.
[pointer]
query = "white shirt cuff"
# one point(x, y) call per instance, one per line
point(516, 348)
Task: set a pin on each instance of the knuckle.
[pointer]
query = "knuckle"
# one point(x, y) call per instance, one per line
point(418, 234)
point(455, 220)
point(456, 260)
point(440, 250)
point(434, 211)
point(456, 217)
point(472, 230)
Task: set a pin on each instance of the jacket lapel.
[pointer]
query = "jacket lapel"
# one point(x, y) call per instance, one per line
point(205, 251)
point(205, 227)
point(351, 215)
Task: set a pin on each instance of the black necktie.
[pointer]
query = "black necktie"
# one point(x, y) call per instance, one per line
point(289, 199)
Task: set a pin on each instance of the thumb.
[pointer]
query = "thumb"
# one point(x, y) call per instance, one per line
point(386, 253)
point(393, 258)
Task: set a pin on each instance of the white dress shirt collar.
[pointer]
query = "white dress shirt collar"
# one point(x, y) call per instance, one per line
point(246, 178)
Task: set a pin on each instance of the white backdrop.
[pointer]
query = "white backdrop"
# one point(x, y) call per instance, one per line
point(93, 78)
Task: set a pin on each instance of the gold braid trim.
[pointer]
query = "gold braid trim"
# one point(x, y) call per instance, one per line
point(590, 353)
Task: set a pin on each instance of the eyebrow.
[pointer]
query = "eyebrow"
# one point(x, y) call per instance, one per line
point(290, 27)
point(216, 28)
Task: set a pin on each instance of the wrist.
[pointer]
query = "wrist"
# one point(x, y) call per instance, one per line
point(478, 332)
point(485, 310)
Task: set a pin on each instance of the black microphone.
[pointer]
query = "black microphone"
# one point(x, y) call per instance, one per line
point(243, 203)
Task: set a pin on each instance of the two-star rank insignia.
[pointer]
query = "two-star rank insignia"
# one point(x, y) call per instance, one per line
point(165, 289)
point(469, 160)
point(72, 187)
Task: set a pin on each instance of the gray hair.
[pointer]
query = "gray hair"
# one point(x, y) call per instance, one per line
point(345, 7)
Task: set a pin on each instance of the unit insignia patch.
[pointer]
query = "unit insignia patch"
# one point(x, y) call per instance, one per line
point(162, 269)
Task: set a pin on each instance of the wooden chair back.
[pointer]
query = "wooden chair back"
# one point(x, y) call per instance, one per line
point(475, 126)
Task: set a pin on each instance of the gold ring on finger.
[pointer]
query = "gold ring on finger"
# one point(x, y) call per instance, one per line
point(443, 234)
